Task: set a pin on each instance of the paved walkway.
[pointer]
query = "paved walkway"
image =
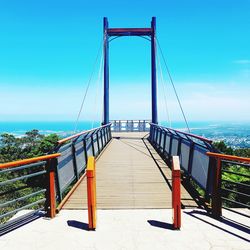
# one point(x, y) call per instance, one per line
point(131, 230)
point(130, 174)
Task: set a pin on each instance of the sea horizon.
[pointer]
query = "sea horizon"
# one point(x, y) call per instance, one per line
point(235, 134)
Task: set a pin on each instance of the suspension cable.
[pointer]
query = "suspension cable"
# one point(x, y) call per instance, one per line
point(102, 93)
point(171, 80)
point(86, 91)
point(97, 92)
point(164, 85)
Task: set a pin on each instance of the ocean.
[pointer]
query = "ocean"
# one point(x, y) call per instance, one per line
point(63, 128)
point(234, 134)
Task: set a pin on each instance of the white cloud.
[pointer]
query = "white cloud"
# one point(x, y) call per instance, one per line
point(200, 100)
point(242, 61)
point(210, 101)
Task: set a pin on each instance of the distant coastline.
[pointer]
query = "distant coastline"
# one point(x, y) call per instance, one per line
point(232, 133)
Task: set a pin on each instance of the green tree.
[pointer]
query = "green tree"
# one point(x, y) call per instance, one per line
point(237, 174)
point(223, 148)
point(31, 145)
point(10, 149)
point(243, 152)
point(48, 143)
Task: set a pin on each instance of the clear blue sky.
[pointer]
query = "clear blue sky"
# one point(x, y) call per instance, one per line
point(48, 48)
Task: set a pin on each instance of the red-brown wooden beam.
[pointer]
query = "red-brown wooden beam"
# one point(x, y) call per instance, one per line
point(91, 192)
point(51, 192)
point(129, 32)
point(216, 196)
point(176, 192)
point(28, 161)
point(229, 157)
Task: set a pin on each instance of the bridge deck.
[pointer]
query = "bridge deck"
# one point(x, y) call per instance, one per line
point(130, 174)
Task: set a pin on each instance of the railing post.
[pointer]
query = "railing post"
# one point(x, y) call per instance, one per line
point(98, 144)
point(190, 158)
point(107, 136)
point(170, 145)
point(73, 151)
point(92, 144)
point(101, 131)
point(104, 137)
point(164, 142)
point(216, 196)
point(110, 135)
point(161, 131)
point(85, 150)
point(50, 192)
point(176, 192)
point(179, 146)
point(151, 133)
point(91, 189)
point(156, 137)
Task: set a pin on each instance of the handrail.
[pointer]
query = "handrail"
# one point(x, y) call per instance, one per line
point(188, 134)
point(228, 157)
point(193, 135)
point(28, 161)
point(218, 189)
point(81, 133)
point(77, 150)
point(192, 152)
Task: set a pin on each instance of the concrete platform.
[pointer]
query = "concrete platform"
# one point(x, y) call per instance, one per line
point(131, 230)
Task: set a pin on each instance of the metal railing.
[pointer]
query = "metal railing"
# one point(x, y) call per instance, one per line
point(228, 190)
point(75, 151)
point(26, 184)
point(192, 151)
point(36, 184)
point(130, 125)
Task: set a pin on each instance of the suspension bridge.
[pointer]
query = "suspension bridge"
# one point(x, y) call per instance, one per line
point(135, 187)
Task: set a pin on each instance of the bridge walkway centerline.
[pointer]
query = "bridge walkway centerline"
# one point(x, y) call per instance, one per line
point(130, 175)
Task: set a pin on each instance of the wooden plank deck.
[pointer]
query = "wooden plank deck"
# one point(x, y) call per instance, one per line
point(130, 174)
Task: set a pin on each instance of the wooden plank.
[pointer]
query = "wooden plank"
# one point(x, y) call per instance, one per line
point(128, 177)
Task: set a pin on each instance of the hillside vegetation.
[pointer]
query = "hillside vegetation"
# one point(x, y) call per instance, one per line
point(235, 173)
point(31, 145)
point(11, 149)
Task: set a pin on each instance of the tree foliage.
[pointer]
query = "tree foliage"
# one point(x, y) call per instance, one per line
point(223, 148)
point(237, 174)
point(31, 145)
point(11, 149)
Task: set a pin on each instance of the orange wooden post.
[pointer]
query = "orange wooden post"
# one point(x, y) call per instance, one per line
point(91, 189)
point(216, 197)
point(176, 193)
point(51, 197)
